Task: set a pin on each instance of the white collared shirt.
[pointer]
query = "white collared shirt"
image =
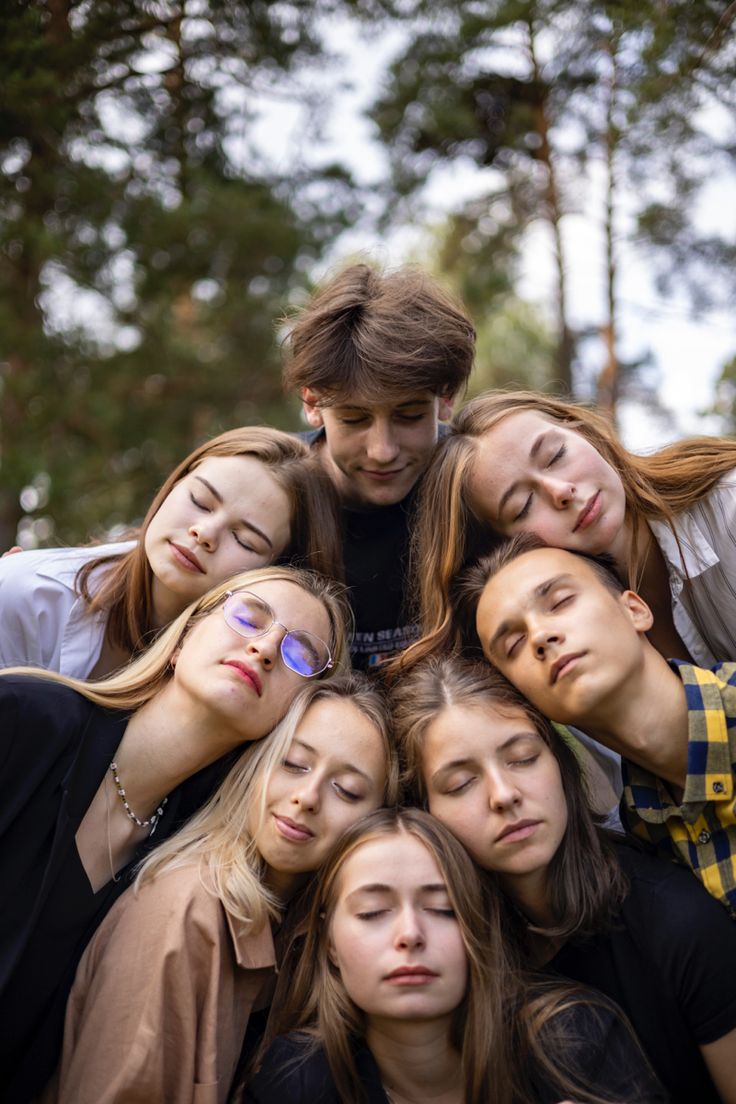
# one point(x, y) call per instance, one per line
point(702, 573)
point(43, 620)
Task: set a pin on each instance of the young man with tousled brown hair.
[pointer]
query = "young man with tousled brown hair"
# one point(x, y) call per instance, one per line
point(572, 638)
point(377, 359)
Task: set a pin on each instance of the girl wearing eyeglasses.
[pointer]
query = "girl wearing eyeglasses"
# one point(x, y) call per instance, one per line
point(250, 497)
point(89, 771)
point(164, 991)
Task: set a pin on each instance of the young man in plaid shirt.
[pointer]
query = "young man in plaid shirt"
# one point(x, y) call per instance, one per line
point(567, 633)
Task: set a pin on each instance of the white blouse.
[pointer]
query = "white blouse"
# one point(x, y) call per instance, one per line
point(43, 620)
point(702, 573)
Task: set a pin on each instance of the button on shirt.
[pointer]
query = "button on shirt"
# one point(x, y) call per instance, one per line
point(701, 829)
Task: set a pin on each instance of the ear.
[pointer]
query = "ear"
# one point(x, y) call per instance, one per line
point(444, 407)
point(312, 412)
point(332, 954)
point(174, 657)
point(641, 616)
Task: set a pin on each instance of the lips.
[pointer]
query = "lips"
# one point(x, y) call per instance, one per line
point(560, 666)
point(186, 557)
point(383, 475)
point(589, 513)
point(247, 673)
point(291, 830)
point(517, 830)
point(411, 975)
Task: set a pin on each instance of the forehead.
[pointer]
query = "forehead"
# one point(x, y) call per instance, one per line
point(461, 731)
point(504, 452)
point(400, 861)
point(516, 586)
point(335, 728)
point(386, 405)
point(296, 607)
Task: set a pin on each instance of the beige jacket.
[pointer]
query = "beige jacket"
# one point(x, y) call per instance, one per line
point(161, 999)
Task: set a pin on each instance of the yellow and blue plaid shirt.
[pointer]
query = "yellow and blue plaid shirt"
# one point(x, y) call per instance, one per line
point(702, 828)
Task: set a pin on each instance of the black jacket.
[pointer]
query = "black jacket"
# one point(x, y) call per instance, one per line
point(55, 747)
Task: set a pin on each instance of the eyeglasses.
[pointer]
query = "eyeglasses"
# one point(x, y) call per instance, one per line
point(302, 651)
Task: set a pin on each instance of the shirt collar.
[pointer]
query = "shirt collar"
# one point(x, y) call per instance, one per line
point(693, 555)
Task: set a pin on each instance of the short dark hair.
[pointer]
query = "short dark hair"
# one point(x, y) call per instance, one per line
point(471, 583)
point(367, 333)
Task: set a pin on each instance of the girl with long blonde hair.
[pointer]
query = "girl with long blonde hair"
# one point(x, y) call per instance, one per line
point(404, 992)
point(527, 462)
point(164, 991)
point(250, 497)
point(89, 771)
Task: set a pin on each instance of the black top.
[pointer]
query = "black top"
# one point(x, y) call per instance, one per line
point(375, 557)
point(670, 963)
point(600, 1052)
point(55, 747)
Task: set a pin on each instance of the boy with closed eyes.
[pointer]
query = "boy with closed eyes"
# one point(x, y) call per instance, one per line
point(563, 629)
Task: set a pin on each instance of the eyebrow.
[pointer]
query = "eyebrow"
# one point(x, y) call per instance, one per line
point(243, 521)
point(533, 452)
point(507, 743)
point(343, 766)
point(368, 409)
point(539, 591)
point(379, 887)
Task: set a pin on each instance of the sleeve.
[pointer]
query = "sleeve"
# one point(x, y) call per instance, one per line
point(693, 941)
point(291, 1073)
point(134, 1014)
point(33, 608)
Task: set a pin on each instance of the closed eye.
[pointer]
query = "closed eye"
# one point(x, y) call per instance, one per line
point(296, 767)
point(447, 912)
point(347, 794)
point(513, 646)
point(198, 504)
point(524, 510)
point(461, 787)
point(558, 455)
point(244, 544)
point(560, 603)
point(371, 915)
point(524, 762)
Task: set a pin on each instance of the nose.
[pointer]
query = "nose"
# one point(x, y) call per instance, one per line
point(306, 795)
point(381, 443)
point(561, 492)
point(266, 648)
point(409, 933)
point(542, 635)
point(204, 533)
point(502, 792)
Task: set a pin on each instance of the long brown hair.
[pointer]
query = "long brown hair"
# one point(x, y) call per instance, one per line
point(507, 1033)
point(586, 883)
point(138, 681)
point(126, 590)
point(448, 535)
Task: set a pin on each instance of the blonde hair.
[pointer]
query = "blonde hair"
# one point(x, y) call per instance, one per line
point(142, 678)
point(220, 837)
point(126, 590)
point(448, 535)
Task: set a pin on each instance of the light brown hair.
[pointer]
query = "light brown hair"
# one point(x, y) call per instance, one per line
point(507, 1033)
point(448, 535)
point(126, 590)
point(585, 881)
point(368, 333)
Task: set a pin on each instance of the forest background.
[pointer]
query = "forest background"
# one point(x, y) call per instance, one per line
point(176, 176)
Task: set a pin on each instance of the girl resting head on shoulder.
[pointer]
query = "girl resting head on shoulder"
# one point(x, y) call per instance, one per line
point(579, 901)
point(403, 992)
point(523, 461)
point(90, 770)
point(250, 497)
point(164, 991)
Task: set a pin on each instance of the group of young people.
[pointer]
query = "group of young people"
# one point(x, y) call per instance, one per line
point(234, 869)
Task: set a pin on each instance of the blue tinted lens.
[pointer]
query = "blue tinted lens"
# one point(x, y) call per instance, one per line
point(246, 615)
point(305, 654)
